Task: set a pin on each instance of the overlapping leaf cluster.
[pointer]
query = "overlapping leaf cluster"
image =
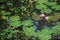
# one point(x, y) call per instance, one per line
point(18, 14)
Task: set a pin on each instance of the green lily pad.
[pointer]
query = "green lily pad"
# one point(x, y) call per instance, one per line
point(46, 31)
point(47, 11)
point(41, 6)
point(27, 22)
point(57, 7)
point(42, 1)
point(16, 24)
point(14, 18)
point(29, 31)
point(56, 29)
point(45, 34)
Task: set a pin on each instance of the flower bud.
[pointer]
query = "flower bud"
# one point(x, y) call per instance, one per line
point(46, 18)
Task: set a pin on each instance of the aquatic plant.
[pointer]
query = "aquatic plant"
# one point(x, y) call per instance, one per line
point(19, 19)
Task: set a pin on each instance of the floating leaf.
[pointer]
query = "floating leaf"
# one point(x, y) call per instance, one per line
point(46, 31)
point(56, 29)
point(53, 18)
point(27, 22)
point(57, 7)
point(51, 3)
point(14, 18)
point(47, 11)
point(29, 31)
point(15, 24)
point(41, 6)
point(45, 37)
point(42, 1)
point(45, 34)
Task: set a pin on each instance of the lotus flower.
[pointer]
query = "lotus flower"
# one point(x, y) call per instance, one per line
point(42, 15)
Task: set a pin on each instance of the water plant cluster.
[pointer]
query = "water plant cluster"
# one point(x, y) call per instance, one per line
point(29, 19)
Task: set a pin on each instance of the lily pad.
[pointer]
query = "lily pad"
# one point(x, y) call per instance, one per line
point(27, 22)
point(15, 24)
point(29, 31)
point(14, 18)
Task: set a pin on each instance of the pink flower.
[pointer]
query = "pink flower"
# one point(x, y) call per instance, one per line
point(46, 18)
point(42, 15)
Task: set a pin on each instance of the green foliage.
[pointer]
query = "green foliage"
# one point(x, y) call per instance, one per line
point(56, 7)
point(8, 33)
point(35, 16)
point(47, 11)
point(2, 6)
point(27, 23)
point(57, 15)
point(45, 37)
point(3, 12)
point(42, 1)
point(44, 5)
point(53, 18)
point(14, 18)
point(45, 34)
point(15, 24)
point(14, 21)
point(51, 3)
point(16, 11)
point(41, 6)
point(29, 31)
point(10, 4)
point(46, 31)
point(56, 29)
point(2, 0)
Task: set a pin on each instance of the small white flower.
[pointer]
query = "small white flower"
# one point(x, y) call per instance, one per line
point(46, 18)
